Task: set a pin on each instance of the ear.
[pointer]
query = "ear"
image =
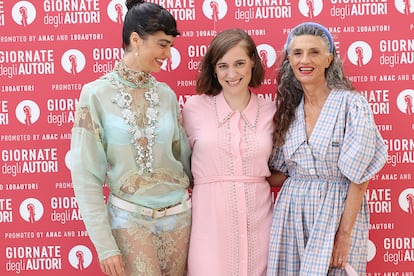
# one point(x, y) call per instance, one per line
point(329, 60)
point(135, 39)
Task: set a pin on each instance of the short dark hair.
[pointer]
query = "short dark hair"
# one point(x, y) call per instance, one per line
point(146, 19)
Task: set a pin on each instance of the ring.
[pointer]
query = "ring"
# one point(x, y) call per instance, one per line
point(340, 260)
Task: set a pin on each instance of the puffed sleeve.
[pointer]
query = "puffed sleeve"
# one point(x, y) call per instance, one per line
point(363, 152)
point(88, 170)
point(277, 161)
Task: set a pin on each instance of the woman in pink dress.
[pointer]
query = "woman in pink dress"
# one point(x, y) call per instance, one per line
point(230, 132)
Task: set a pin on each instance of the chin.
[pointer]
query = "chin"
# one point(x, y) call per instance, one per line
point(156, 69)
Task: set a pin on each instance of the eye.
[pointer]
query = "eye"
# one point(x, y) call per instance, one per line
point(315, 53)
point(240, 63)
point(221, 66)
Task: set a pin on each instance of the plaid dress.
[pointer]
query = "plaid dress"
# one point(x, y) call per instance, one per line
point(345, 146)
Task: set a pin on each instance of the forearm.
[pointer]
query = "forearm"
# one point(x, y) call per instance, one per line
point(342, 244)
point(355, 197)
point(276, 179)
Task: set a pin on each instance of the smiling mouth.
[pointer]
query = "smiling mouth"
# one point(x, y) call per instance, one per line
point(306, 69)
point(160, 61)
point(234, 83)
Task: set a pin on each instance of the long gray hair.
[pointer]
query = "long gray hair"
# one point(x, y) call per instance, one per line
point(289, 90)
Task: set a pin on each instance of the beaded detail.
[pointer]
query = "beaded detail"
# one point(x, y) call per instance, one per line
point(253, 126)
point(139, 78)
point(143, 124)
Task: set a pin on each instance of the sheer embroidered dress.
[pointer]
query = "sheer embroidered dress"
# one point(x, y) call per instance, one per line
point(127, 135)
point(143, 124)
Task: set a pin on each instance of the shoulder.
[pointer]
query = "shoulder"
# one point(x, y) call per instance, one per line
point(164, 89)
point(198, 104)
point(96, 84)
point(351, 96)
point(198, 101)
point(354, 105)
point(166, 94)
point(96, 88)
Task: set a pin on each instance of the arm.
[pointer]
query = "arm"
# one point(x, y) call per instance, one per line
point(181, 147)
point(276, 179)
point(278, 168)
point(88, 171)
point(342, 243)
point(88, 178)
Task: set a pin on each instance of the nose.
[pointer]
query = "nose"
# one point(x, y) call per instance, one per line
point(232, 71)
point(168, 52)
point(305, 58)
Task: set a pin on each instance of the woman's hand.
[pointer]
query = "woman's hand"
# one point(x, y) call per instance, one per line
point(342, 245)
point(113, 266)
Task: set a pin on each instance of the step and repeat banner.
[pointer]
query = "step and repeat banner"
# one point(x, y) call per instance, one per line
point(50, 48)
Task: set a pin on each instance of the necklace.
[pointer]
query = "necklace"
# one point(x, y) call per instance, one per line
point(144, 124)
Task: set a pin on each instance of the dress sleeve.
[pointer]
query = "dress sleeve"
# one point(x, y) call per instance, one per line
point(181, 147)
point(277, 161)
point(189, 120)
point(88, 170)
point(363, 152)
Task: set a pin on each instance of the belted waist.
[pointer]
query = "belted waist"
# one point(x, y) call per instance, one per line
point(178, 208)
point(339, 179)
point(239, 178)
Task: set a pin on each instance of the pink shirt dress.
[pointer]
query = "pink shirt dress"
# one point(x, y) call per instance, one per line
point(231, 199)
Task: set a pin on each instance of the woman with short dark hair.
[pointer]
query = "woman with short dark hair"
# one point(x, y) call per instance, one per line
point(127, 134)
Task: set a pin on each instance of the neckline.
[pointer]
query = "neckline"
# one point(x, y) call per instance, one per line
point(320, 117)
point(143, 123)
point(139, 78)
point(246, 104)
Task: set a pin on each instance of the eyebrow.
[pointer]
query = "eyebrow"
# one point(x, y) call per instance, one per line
point(165, 40)
point(301, 49)
point(238, 60)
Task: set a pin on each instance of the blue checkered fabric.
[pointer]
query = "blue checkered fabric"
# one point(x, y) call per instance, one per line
point(345, 146)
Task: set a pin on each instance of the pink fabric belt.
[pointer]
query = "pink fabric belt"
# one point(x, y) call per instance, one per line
point(243, 179)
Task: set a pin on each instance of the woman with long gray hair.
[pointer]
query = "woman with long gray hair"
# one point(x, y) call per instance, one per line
point(326, 149)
